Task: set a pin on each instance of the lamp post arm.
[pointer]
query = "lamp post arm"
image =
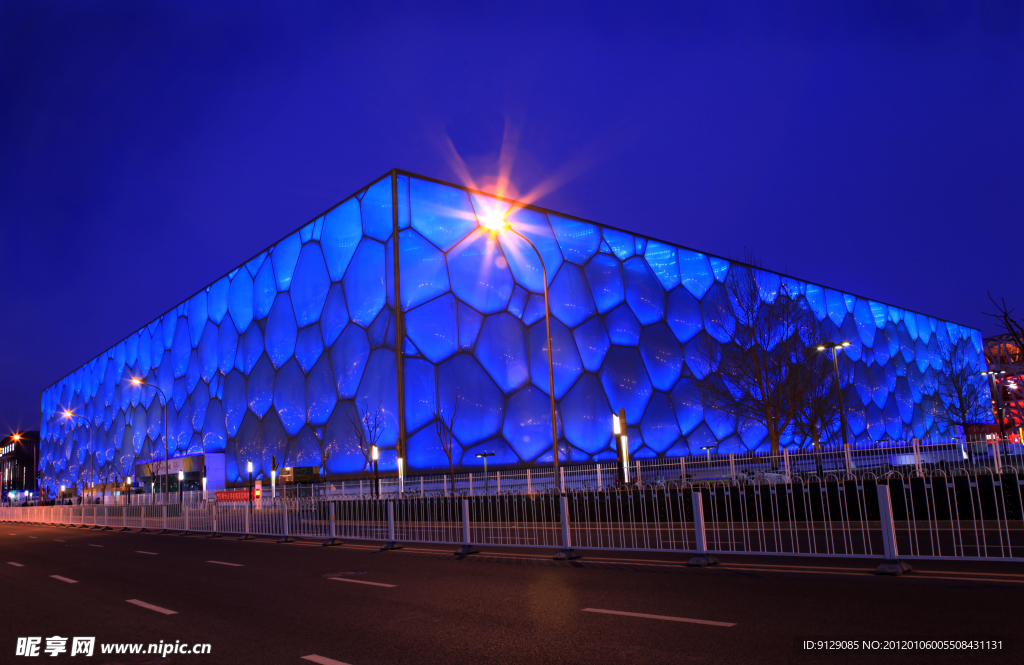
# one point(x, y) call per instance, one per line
point(551, 362)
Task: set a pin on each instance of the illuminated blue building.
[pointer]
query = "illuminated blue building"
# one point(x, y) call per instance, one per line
point(272, 358)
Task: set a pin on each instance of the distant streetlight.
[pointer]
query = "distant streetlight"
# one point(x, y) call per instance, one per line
point(139, 382)
point(836, 347)
point(496, 223)
point(709, 449)
point(994, 377)
point(376, 478)
point(487, 479)
point(181, 487)
point(68, 414)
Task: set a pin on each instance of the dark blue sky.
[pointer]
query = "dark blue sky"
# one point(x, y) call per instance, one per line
point(148, 148)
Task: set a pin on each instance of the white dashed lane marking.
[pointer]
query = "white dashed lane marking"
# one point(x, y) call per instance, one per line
point(155, 608)
point(345, 579)
point(18, 565)
point(141, 552)
point(225, 563)
point(663, 618)
point(320, 660)
point(92, 545)
point(64, 579)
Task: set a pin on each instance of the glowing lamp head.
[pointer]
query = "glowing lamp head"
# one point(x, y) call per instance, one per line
point(373, 452)
point(181, 476)
point(136, 381)
point(250, 467)
point(16, 437)
point(821, 348)
point(67, 413)
point(616, 427)
point(494, 221)
point(845, 344)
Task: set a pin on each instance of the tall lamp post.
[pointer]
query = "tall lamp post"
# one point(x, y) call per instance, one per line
point(497, 223)
point(997, 399)
point(376, 478)
point(487, 479)
point(836, 347)
point(139, 382)
point(68, 414)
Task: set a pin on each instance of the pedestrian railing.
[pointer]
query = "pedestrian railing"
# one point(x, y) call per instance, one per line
point(893, 516)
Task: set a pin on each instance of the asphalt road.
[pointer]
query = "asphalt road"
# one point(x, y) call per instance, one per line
point(505, 605)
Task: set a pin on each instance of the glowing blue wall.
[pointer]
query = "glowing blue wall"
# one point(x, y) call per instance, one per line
point(270, 359)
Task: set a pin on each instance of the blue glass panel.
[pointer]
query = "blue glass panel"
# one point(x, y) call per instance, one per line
point(306, 451)
point(408, 348)
point(623, 327)
point(915, 381)
point(440, 213)
point(865, 322)
point(879, 385)
point(586, 416)
point(689, 407)
point(626, 382)
point(284, 255)
point(502, 455)
point(423, 268)
point(720, 267)
point(335, 315)
point(890, 376)
point(565, 358)
point(578, 240)
point(145, 354)
point(254, 264)
point(281, 331)
point(470, 321)
point(849, 333)
point(850, 301)
point(855, 418)
point(604, 273)
point(218, 300)
point(521, 257)
point(235, 403)
point(663, 260)
point(376, 203)
point(348, 357)
point(876, 310)
point(200, 400)
point(425, 451)
point(378, 388)
point(904, 399)
point(364, 282)
point(892, 419)
point(593, 343)
point(816, 301)
point(891, 338)
point(502, 350)
point(881, 348)
point(273, 443)
point(534, 309)
point(643, 292)
point(517, 304)
point(659, 427)
point(420, 393)
point(309, 285)
point(197, 317)
point(169, 322)
point(341, 235)
point(214, 432)
point(702, 436)
point(321, 394)
point(769, 284)
point(309, 347)
point(683, 315)
point(264, 291)
point(252, 348)
point(622, 244)
point(862, 382)
point(378, 330)
point(181, 350)
point(695, 272)
point(641, 246)
point(480, 274)
point(836, 305)
point(721, 422)
point(208, 352)
point(306, 232)
point(906, 342)
point(662, 355)
point(140, 424)
point(259, 387)
point(404, 220)
point(753, 434)
point(570, 296)
point(433, 327)
point(527, 424)
point(240, 300)
point(290, 397)
point(910, 320)
point(481, 404)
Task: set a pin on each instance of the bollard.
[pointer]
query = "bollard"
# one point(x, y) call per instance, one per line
point(566, 552)
point(284, 521)
point(891, 565)
point(246, 535)
point(215, 534)
point(333, 540)
point(106, 519)
point(467, 547)
point(124, 518)
point(702, 558)
point(391, 544)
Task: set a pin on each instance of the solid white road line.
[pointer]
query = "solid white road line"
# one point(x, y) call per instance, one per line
point(322, 661)
point(19, 565)
point(225, 563)
point(161, 610)
point(663, 618)
point(141, 552)
point(92, 545)
point(64, 579)
point(346, 579)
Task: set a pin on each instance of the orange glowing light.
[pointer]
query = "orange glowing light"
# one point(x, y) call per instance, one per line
point(16, 437)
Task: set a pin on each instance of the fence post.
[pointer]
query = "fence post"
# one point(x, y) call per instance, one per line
point(682, 469)
point(639, 479)
point(529, 488)
point(333, 540)
point(732, 466)
point(246, 535)
point(284, 520)
point(106, 518)
point(785, 462)
point(184, 510)
point(849, 462)
point(466, 547)
point(124, 518)
point(566, 552)
point(164, 516)
point(702, 558)
point(891, 565)
point(561, 479)
point(391, 544)
point(499, 481)
point(470, 483)
point(215, 534)
point(444, 484)
point(598, 476)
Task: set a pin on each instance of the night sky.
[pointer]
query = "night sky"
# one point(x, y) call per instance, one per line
point(146, 149)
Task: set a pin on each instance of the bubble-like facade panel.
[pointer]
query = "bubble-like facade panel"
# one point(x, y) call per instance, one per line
point(276, 356)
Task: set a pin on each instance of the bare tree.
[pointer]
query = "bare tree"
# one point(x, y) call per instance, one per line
point(368, 427)
point(445, 425)
point(813, 385)
point(755, 379)
point(961, 396)
point(1004, 318)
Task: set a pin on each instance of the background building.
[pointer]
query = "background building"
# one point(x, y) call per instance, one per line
point(281, 356)
point(19, 455)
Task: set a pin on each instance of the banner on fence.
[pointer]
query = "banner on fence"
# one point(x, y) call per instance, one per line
point(234, 495)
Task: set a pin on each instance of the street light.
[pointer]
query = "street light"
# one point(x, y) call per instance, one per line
point(181, 487)
point(487, 479)
point(68, 414)
point(842, 408)
point(376, 479)
point(139, 382)
point(709, 449)
point(997, 393)
point(496, 223)
point(621, 444)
